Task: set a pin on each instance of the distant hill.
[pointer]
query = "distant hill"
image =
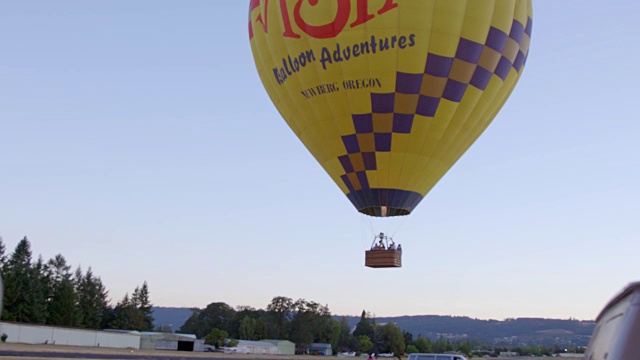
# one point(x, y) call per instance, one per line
point(510, 332)
point(173, 317)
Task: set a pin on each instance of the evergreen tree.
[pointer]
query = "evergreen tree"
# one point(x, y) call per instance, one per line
point(133, 313)
point(136, 317)
point(364, 327)
point(3, 257)
point(141, 301)
point(17, 283)
point(62, 304)
point(39, 293)
point(58, 270)
point(92, 300)
point(77, 276)
point(62, 307)
point(125, 315)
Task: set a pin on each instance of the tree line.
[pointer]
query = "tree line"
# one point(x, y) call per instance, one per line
point(529, 329)
point(306, 322)
point(49, 293)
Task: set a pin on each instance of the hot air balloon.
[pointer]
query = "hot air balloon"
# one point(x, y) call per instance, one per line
point(388, 94)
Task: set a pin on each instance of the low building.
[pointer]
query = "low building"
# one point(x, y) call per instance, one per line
point(256, 347)
point(285, 347)
point(58, 335)
point(320, 349)
point(508, 353)
point(170, 341)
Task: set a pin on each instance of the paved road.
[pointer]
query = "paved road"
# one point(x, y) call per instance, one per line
point(74, 355)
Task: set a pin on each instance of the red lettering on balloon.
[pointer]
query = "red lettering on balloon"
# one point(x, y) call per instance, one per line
point(288, 30)
point(330, 30)
point(362, 9)
point(327, 31)
point(388, 5)
point(263, 15)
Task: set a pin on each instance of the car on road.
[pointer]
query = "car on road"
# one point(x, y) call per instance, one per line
point(422, 356)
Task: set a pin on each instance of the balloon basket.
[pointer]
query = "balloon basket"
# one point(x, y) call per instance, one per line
point(383, 258)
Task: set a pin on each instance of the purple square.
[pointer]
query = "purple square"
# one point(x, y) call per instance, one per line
point(519, 61)
point(527, 29)
point(469, 51)
point(351, 143)
point(438, 65)
point(408, 83)
point(402, 123)
point(496, 39)
point(363, 123)
point(382, 103)
point(382, 141)
point(502, 70)
point(454, 90)
point(427, 106)
point(346, 163)
point(362, 177)
point(517, 31)
point(369, 159)
point(481, 78)
point(347, 182)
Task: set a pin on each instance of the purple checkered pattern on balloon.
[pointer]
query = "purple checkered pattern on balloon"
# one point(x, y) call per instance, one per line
point(443, 78)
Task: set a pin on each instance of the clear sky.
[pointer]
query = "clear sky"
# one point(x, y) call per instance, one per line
point(136, 138)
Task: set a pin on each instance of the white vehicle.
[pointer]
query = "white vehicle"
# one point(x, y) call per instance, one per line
point(617, 327)
point(435, 357)
point(347, 354)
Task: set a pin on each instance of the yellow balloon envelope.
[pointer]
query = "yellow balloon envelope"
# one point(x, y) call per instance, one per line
point(388, 94)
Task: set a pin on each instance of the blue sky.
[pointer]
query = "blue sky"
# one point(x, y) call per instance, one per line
point(136, 138)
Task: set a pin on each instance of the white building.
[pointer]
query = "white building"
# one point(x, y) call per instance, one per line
point(508, 353)
point(43, 334)
point(170, 341)
point(285, 347)
point(257, 347)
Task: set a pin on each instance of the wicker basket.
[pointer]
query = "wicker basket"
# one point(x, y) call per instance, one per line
point(383, 258)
